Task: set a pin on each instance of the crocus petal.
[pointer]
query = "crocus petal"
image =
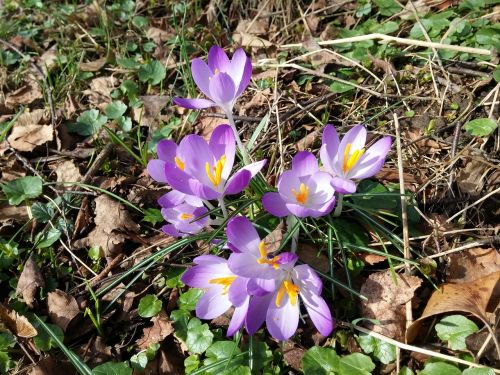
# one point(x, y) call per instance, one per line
point(323, 190)
point(299, 210)
point(221, 143)
point(242, 235)
point(238, 318)
point(212, 304)
point(275, 205)
point(256, 314)
point(241, 179)
point(373, 159)
point(179, 180)
point(193, 103)
point(287, 184)
point(156, 169)
point(237, 66)
point(237, 292)
point(166, 150)
point(318, 312)
point(218, 60)
point(246, 265)
point(200, 276)
point(260, 287)
point(201, 75)
point(171, 231)
point(343, 186)
point(356, 137)
point(329, 148)
point(222, 89)
point(171, 199)
point(245, 78)
point(195, 153)
point(210, 259)
point(282, 321)
point(304, 164)
point(305, 277)
point(203, 191)
point(324, 209)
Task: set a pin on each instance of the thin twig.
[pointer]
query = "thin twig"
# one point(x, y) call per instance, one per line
point(496, 191)
point(389, 38)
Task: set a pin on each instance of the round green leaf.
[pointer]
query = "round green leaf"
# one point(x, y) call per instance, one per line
point(455, 329)
point(112, 368)
point(153, 72)
point(320, 361)
point(149, 306)
point(439, 368)
point(199, 337)
point(356, 364)
point(115, 109)
point(480, 127)
point(478, 371)
point(22, 188)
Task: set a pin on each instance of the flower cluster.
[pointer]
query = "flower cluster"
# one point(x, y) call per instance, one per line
point(260, 286)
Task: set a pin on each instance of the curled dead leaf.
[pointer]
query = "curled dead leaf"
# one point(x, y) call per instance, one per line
point(386, 301)
point(62, 307)
point(24, 95)
point(469, 265)
point(93, 66)
point(245, 39)
point(67, 171)
point(30, 131)
point(477, 298)
point(161, 328)
point(30, 280)
point(15, 323)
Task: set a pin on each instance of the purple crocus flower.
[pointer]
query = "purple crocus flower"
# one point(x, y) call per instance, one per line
point(348, 160)
point(282, 281)
point(302, 191)
point(203, 169)
point(221, 80)
point(174, 198)
point(223, 289)
point(182, 219)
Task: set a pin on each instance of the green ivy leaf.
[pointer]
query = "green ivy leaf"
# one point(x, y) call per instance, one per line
point(139, 361)
point(42, 212)
point(383, 351)
point(5, 363)
point(387, 7)
point(439, 368)
point(115, 109)
point(339, 87)
point(153, 72)
point(374, 196)
point(153, 216)
point(221, 350)
point(455, 329)
point(199, 336)
point(480, 127)
point(44, 341)
point(320, 361)
point(355, 364)
point(181, 320)
point(478, 371)
point(125, 123)
point(189, 299)
point(191, 363)
point(47, 238)
point(88, 123)
point(149, 306)
point(112, 368)
point(22, 188)
point(6, 341)
point(405, 371)
point(173, 277)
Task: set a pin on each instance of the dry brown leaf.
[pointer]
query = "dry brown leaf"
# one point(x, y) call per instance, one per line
point(471, 178)
point(292, 354)
point(257, 100)
point(112, 225)
point(310, 255)
point(168, 360)
point(254, 26)
point(52, 366)
point(148, 114)
point(386, 301)
point(15, 323)
point(371, 259)
point(99, 93)
point(159, 36)
point(67, 171)
point(477, 298)
point(469, 265)
point(62, 307)
point(24, 95)
point(13, 213)
point(207, 124)
point(161, 328)
point(93, 66)
point(427, 145)
point(321, 55)
point(30, 280)
point(48, 59)
point(248, 40)
point(273, 239)
point(29, 131)
point(308, 140)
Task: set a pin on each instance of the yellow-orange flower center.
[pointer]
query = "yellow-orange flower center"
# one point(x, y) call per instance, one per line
point(215, 174)
point(350, 160)
point(224, 281)
point(186, 216)
point(263, 257)
point(302, 194)
point(289, 288)
point(179, 163)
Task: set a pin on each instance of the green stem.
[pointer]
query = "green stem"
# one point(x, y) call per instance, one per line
point(223, 207)
point(242, 148)
point(338, 208)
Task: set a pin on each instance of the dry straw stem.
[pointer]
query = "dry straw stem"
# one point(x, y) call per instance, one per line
point(389, 38)
point(416, 348)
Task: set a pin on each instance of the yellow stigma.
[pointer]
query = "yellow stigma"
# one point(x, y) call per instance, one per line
point(179, 163)
point(215, 175)
point(302, 194)
point(289, 288)
point(351, 160)
point(186, 216)
point(263, 257)
point(224, 281)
